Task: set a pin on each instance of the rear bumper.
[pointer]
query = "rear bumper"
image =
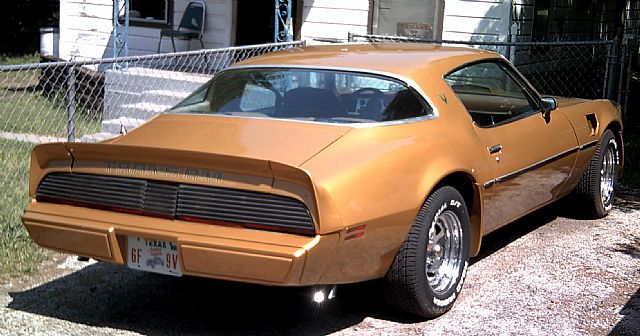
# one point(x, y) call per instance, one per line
point(230, 253)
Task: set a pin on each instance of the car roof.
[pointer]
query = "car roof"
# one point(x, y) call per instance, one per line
point(404, 59)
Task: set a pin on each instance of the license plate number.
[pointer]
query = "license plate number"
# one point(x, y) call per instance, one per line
point(153, 255)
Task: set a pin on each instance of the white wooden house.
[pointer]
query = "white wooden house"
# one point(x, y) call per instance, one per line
point(87, 32)
point(86, 26)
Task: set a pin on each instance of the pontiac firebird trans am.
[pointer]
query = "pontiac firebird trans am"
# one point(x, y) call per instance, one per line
point(327, 165)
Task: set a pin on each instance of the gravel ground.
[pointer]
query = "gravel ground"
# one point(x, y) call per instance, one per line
point(547, 274)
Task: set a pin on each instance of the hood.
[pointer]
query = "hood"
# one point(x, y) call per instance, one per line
point(566, 102)
point(285, 141)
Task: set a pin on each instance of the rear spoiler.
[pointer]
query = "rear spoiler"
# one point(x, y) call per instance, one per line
point(175, 166)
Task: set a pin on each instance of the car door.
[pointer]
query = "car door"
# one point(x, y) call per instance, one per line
point(531, 152)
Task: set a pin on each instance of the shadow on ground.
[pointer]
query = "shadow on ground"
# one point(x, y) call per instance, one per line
point(628, 199)
point(630, 323)
point(112, 296)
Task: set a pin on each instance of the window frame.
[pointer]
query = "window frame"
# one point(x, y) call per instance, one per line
point(530, 92)
point(140, 22)
point(423, 99)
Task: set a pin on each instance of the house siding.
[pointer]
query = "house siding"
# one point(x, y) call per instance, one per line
point(476, 20)
point(86, 25)
point(334, 18)
point(86, 29)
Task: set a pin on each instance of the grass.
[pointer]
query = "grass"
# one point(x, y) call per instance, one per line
point(28, 111)
point(23, 59)
point(29, 105)
point(18, 253)
point(25, 107)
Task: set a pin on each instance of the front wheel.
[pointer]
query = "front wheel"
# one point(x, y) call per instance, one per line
point(597, 186)
point(429, 269)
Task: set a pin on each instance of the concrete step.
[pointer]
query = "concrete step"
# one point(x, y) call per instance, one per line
point(141, 79)
point(119, 125)
point(115, 98)
point(142, 110)
point(163, 97)
point(155, 91)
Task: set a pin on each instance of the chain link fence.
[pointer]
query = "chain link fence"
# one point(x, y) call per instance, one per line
point(628, 80)
point(90, 101)
point(93, 100)
point(579, 69)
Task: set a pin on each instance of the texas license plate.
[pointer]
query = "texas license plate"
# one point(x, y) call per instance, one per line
point(153, 255)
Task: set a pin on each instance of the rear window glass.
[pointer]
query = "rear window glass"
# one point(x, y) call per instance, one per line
point(312, 95)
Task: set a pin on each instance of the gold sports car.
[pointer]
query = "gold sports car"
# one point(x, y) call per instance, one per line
point(326, 165)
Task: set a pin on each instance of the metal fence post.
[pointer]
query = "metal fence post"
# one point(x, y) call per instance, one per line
point(71, 104)
point(622, 69)
point(631, 48)
point(606, 85)
point(512, 49)
point(612, 64)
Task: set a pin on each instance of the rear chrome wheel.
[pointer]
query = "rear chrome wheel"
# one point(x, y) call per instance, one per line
point(597, 186)
point(608, 173)
point(444, 252)
point(429, 269)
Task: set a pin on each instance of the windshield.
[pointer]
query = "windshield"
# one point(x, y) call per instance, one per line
point(304, 94)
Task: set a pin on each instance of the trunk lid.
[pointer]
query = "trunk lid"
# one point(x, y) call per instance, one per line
point(239, 153)
point(287, 142)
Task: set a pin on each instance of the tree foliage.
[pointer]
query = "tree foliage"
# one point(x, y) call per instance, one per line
point(20, 23)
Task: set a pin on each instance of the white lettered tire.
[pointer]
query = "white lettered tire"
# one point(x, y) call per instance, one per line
point(596, 190)
point(428, 271)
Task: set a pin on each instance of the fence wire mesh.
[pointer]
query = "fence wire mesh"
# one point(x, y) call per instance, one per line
point(90, 101)
point(569, 69)
point(628, 81)
point(95, 100)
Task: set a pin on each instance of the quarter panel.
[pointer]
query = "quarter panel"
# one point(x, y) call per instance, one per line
point(577, 110)
point(380, 177)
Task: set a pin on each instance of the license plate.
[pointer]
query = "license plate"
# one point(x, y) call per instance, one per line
point(153, 255)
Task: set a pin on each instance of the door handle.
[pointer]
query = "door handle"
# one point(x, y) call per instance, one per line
point(495, 149)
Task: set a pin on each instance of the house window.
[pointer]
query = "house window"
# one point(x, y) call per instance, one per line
point(150, 13)
point(413, 18)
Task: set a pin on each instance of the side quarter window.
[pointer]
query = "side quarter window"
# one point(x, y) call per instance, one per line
point(490, 93)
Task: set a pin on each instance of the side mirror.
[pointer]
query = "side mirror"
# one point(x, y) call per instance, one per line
point(548, 104)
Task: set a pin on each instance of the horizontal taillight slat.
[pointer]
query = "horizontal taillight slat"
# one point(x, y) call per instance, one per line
point(187, 207)
point(256, 217)
point(134, 203)
point(219, 201)
point(246, 220)
point(49, 188)
point(237, 194)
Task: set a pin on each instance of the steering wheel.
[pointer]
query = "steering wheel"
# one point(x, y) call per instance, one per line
point(373, 108)
point(364, 92)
